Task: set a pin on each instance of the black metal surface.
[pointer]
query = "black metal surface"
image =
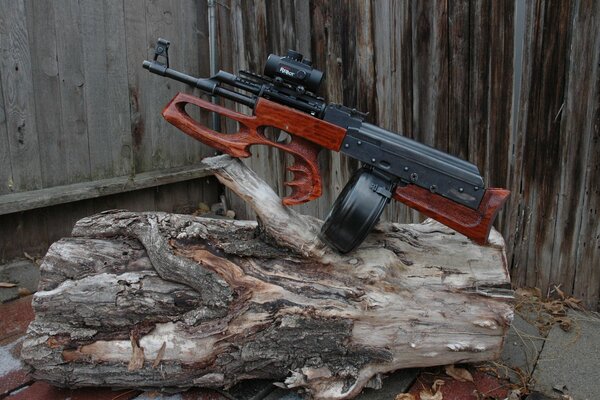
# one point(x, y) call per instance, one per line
point(343, 116)
point(416, 163)
point(295, 70)
point(357, 209)
point(281, 92)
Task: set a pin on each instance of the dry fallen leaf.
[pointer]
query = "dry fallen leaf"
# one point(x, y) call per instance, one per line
point(7, 285)
point(437, 393)
point(437, 385)
point(565, 323)
point(555, 307)
point(137, 356)
point(574, 303)
point(460, 374)
point(404, 396)
point(426, 395)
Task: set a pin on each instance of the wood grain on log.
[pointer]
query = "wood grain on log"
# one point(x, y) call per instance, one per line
point(159, 300)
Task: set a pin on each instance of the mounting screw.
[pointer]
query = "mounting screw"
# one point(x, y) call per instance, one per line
point(359, 143)
point(476, 188)
point(461, 190)
point(373, 160)
point(346, 145)
point(414, 177)
point(432, 188)
point(406, 168)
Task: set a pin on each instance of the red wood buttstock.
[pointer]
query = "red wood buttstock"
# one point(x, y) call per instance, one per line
point(474, 224)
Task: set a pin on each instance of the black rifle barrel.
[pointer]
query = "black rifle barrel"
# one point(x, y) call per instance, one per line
point(206, 85)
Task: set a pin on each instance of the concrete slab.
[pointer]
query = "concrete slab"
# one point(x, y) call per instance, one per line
point(25, 274)
point(521, 351)
point(569, 362)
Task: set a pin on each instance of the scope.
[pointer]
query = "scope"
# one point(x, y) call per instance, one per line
point(295, 70)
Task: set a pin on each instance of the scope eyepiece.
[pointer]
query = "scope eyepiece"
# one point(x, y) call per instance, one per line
point(294, 70)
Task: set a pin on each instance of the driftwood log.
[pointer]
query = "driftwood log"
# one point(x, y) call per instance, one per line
point(155, 300)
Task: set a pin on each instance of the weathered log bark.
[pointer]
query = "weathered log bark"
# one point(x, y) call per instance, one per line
point(152, 300)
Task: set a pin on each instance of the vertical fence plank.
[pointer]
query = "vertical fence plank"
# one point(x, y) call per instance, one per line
point(162, 20)
point(184, 56)
point(46, 82)
point(430, 73)
point(500, 96)
point(19, 106)
point(6, 181)
point(194, 46)
point(138, 48)
point(517, 214)
point(302, 25)
point(541, 151)
point(72, 91)
point(478, 84)
point(386, 66)
point(104, 62)
point(552, 96)
point(458, 74)
point(11, 234)
point(573, 146)
point(577, 250)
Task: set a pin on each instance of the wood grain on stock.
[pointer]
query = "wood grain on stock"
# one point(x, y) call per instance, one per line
point(474, 224)
point(310, 134)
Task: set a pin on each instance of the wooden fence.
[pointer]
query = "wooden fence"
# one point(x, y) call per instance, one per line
point(80, 118)
point(512, 86)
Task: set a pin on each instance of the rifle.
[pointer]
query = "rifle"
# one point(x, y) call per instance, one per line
point(438, 185)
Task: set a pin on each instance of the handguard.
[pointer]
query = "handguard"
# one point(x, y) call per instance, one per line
point(308, 135)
